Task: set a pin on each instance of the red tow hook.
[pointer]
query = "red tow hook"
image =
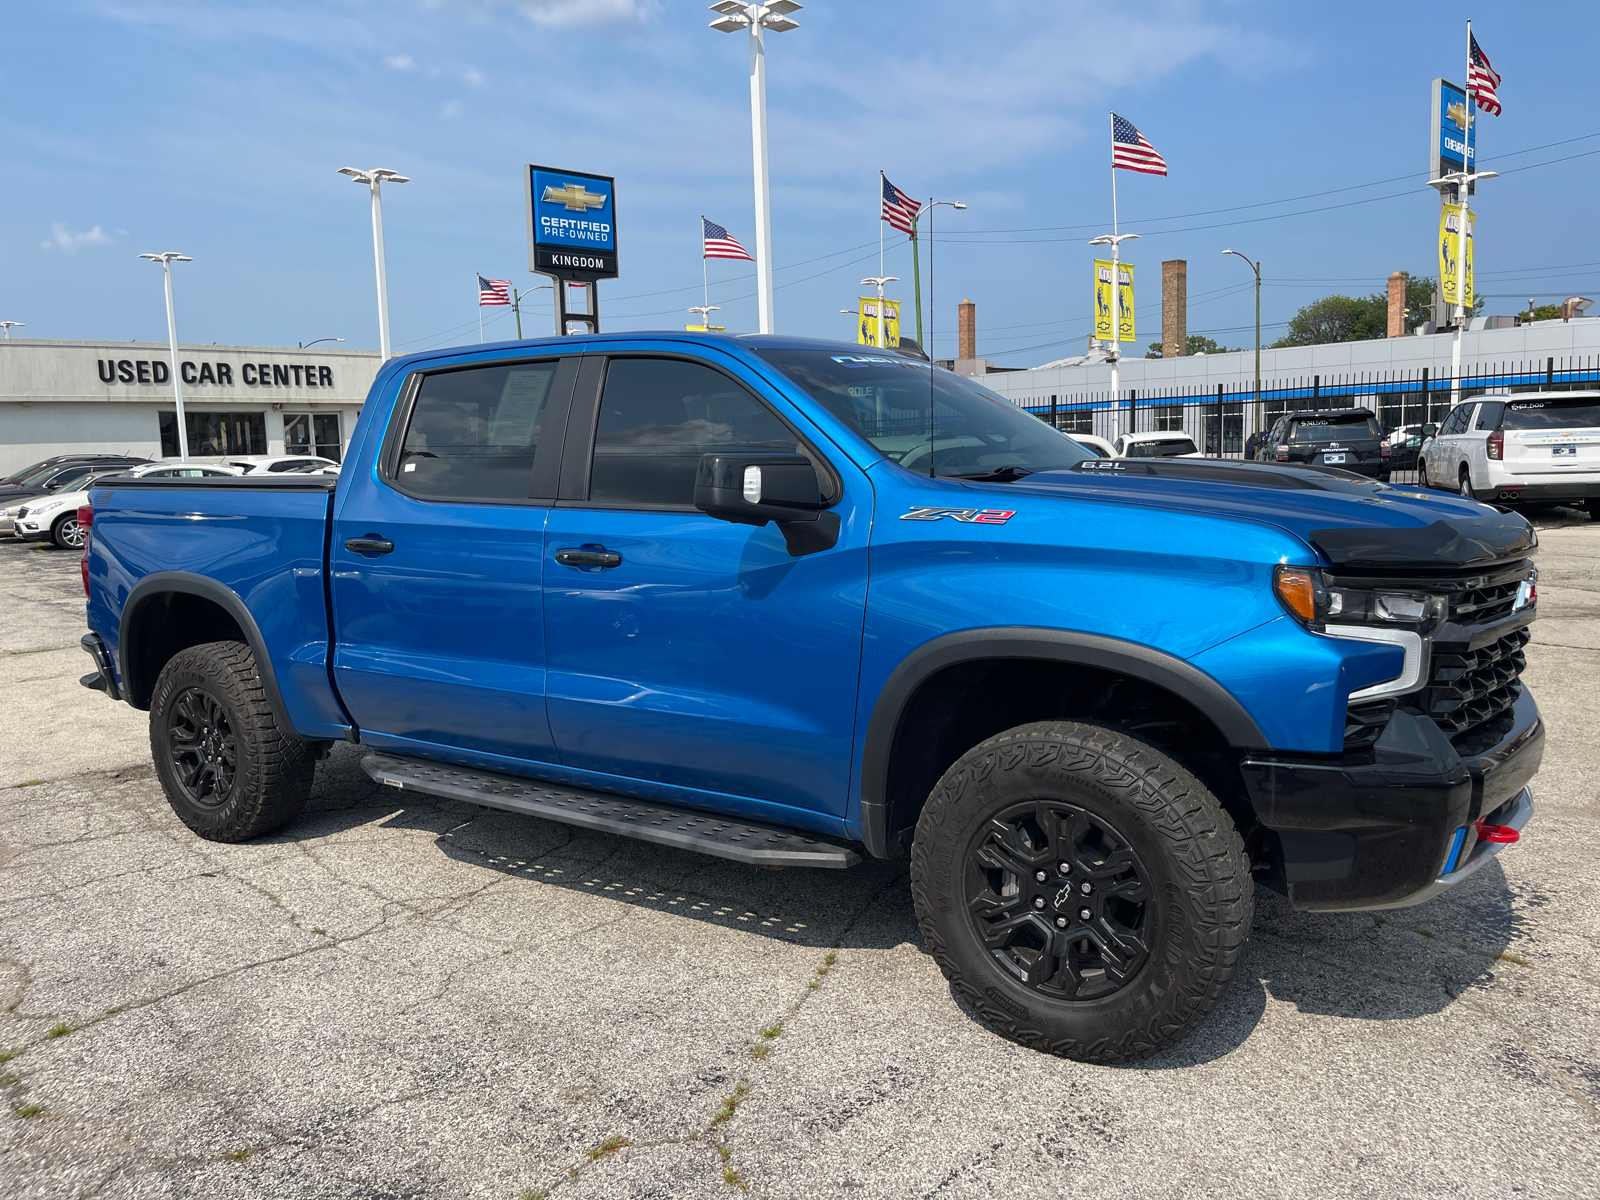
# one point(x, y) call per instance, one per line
point(1496, 833)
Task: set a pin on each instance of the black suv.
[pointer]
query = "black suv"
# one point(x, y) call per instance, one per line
point(1348, 438)
point(53, 475)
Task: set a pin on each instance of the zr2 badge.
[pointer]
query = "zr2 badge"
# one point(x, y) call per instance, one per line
point(967, 516)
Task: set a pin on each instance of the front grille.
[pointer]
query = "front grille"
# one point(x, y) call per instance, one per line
point(1485, 604)
point(1468, 689)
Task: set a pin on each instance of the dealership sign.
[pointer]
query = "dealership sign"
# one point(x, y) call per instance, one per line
point(1451, 144)
point(572, 224)
point(221, 374)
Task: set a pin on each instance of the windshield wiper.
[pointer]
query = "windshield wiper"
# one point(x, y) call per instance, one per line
point(1003, 474)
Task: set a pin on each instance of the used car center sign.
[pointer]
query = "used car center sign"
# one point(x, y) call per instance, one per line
point(252, 374)
point(572, 224)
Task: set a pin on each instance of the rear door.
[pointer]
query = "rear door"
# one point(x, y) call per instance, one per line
point(438, 564)
point(695, 653)
point(1549, 437)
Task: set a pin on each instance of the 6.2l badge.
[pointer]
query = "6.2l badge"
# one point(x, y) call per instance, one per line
point(967, 516)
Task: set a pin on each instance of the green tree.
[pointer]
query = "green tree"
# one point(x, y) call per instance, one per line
point(1338, 319)
point(1546, 312)
point(1195, 343)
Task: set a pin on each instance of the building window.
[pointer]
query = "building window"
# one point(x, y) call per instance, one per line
point(213, 434)
point(312, 433)
point(1076, 420)
point(1168, 418)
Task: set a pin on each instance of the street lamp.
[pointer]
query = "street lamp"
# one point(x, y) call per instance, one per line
point(880, 280)
point(304, 345)
point(9, 325)
point(705, 311)
point(1114, 355)
point(375, 179)
point(166, 260)
point(757, 18)
point(916, 263)
point(1255, 421)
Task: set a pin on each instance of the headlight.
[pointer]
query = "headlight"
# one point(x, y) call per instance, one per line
point(44, 508)
point(9, 514)
point(1306, 595)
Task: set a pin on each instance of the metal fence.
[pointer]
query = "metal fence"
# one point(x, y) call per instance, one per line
point(1221, 420)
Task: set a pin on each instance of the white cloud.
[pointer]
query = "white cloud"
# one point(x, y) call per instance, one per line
point(398, 62)
point(563, 13)
point(452, 108)
point(474, 77)
point(64, 240)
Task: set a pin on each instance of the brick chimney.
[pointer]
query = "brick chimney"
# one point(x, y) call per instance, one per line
point(967, 324)
point(1174, 307)
point(1397, 304)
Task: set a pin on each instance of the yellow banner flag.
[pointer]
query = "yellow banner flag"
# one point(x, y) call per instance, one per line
point(1102, 300)
point(1449, 251)
point(867, 330)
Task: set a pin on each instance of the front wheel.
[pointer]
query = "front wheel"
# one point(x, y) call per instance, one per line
point(1084, 893)
point(229, 770)
point(67, 533)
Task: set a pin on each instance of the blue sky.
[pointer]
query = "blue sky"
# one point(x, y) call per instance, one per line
point(216, 129)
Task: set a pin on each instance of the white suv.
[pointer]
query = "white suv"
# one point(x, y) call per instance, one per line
point(1528, 447)
point(1155, 445)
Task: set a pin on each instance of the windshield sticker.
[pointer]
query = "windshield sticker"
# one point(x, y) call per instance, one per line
point(967, 516)
point(873, 360)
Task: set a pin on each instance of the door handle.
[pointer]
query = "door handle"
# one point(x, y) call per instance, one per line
point(589, 557)
point(368, 545)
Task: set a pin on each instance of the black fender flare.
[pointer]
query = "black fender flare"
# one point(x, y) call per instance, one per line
point(1136, 661)
point(136, 688)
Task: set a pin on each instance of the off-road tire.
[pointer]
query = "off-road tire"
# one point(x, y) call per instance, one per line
point(272, 769)
point(1201, 893)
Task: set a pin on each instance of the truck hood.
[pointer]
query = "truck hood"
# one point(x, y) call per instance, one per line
point(1352, 522)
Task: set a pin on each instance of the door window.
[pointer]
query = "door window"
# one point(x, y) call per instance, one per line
point(658, 416)
point(1457, 421)
point(473, 433)
point(312, 433)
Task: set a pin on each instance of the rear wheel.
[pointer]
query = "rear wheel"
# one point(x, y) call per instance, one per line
point(1464, 484)
point(1422, 474)
point(1085, 894)
point(229, 770)
point(67, 533)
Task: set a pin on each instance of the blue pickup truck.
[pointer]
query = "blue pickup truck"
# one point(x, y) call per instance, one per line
point(791, 602)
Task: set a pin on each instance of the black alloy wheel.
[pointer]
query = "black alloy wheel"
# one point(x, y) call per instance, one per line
point(202, 748)
point(1058, 896)
point(67, 533)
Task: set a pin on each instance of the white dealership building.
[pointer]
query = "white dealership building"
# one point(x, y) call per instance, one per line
point(61, 397)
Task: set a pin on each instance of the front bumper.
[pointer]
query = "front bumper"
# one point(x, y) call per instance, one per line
point(1393, 825)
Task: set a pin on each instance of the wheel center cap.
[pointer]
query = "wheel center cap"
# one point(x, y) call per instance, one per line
point(1063, 900)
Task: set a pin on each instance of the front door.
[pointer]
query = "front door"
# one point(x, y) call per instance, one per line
point(438, 560)
point(684, 650)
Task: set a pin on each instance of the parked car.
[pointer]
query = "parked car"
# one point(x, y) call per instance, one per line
point(276, 464)
point(1155, 445)
point(1404, 443)
point(670, 586)
point(54, 518)
point(1528, 447)
point(1348, 438)
point(53, 476)
point(1097, 446)
point(55, 460)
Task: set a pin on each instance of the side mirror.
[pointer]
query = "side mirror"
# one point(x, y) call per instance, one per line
point(1429, 429)
point(753, 489)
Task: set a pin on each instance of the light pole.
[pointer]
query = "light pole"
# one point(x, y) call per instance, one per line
point(916, 261)
point(375, 179)
point(303, 345)
point(1255, 420)
point(880, 280)
point(1114, 240)
point(757, 18)
point(166, 260)
point(10, 325)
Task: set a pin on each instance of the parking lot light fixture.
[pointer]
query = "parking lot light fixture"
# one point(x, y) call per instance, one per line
point(879, 281)
point(1255, 422)
point(10, 325)
point(375, 178)
point(927, 210)
point(758, 18)
point(166, 259)
point(304, 345)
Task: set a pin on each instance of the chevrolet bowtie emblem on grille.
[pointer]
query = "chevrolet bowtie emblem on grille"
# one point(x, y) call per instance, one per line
point(967, 516)
point(575, 196)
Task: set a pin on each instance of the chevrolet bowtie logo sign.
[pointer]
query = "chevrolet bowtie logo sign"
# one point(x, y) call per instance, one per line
point(575, 196)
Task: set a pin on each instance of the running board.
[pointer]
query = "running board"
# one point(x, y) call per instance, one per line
point(758, 845)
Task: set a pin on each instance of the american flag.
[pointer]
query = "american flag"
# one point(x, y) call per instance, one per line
point(719, 243)
point(1481, 78)
point(899, 209)
point(493, 291)
point(1131, 152)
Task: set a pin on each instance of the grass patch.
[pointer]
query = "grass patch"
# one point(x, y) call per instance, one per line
point(28, 783)
point(730, 1105)
point(831, 959)
point(606, 1148)
point(59, 1029)
point(240, 1154)
point(1507, 956)
point(772, 1031)
point(30, 1110)
point(7, 1055)
point(760, 1051)
point(731, 1178)
point(530, 1194)
point(813, 985)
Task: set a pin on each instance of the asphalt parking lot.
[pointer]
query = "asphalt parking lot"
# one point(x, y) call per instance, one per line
point(406, 998)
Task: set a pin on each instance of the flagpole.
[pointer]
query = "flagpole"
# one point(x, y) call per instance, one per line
point(1468, 169)
point(480, 313)
point(705, 278)
point(1116, 286)
point(880, 224)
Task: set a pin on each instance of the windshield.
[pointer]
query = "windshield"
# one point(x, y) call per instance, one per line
point(927, 419)
point(1336, 427)
point(1553, 414)
point(17, 477)
point(1166, 448)
point(36, 478)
